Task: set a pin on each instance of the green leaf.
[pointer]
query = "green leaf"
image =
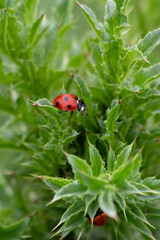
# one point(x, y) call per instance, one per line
point(34, 30)
point(76, 61)
point(132, 188)
point(107, 205)
point(98, 59)
point(75, 208)
point(11, 41)
point(53, 45)
point(48, 107)
point(149, 42)
point(39, 36)
point(144, 189)
point(55, 183)
point(152, 183)
point(93, 183)
point(110, 11)
point(93, 207)
point(74, 222)
point(112, 117)
point(111, 160)
point(137, 159)
point(70, 190)
point(121, 201)
point(146, 75)
point(114, 56)
point(91, 18)
point(99, 94)
point(125, 92)
point(138, 224)
point(96, 160)
point(123, 156)
point(131, 57)
point(43, 103)
point(121, 174)
point(124, 6)
point(14, 231)
point(89, 200)
point(29, 11)
point(116, 21)
point(83, 91)
point(135, 210)
point(78, 164)
point(73, 135)
point(90, 123)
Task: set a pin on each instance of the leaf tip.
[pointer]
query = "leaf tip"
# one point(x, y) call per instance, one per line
point(37, 176)
point(153, 238)
point(71, 74)
point(89, 144)
point(36, 104)
point(55, 234)
point(31, 215)
point(59, 27)
point(78, 3)
point(65, 153)
point(62, 237)
point(115, 217)
point(150, 224)
point(40, 177)
point(52, 201)
point(140, 150)
point(56, 226)
point(145, 60)
point(119, 101)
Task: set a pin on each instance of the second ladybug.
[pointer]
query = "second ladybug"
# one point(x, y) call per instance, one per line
point(69, 102)
point(100, 218)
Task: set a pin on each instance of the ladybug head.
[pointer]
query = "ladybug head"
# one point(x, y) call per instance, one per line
point(81, 106)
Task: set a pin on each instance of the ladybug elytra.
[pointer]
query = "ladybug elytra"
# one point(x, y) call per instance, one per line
point(100, 218)
point(69, 102)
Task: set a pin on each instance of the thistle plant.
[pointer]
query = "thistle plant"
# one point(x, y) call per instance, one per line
point(72, 166)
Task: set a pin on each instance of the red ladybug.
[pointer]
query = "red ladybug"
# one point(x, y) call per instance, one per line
point(100, 218)
point(69, 102)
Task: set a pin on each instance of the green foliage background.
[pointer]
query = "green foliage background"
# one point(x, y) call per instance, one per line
point(55, 170)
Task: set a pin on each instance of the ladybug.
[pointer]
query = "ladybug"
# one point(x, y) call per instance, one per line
point(69, 102)
point(100, 218)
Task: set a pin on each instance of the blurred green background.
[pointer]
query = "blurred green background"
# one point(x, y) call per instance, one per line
point(143, 16)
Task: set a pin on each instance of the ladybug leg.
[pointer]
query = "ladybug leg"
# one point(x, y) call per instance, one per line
point(82, 113)
point(60, 112)
point(70, 116)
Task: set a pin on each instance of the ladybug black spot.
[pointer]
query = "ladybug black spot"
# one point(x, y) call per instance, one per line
point(69, 106)
point(57, 103)
point(95, 223)
point(66, 99)
point(76, 98)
